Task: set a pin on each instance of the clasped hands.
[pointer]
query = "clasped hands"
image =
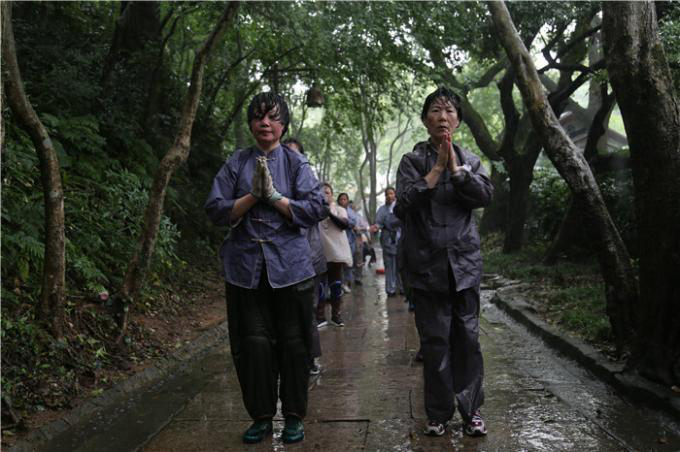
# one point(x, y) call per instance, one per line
point(262, 184)
point(446, 157)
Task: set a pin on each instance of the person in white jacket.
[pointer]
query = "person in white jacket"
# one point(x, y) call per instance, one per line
point(338, 253)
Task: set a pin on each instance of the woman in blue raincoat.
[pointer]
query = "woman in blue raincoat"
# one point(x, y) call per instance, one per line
point(267, 194)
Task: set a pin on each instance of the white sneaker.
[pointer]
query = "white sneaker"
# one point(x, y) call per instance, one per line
point(346, 289)
point(434, 428)
point(476, 426)
point(315, 368)
point(322, 324)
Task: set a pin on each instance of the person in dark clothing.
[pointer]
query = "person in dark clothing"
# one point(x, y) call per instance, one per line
point(267, 194)
point(438, 185)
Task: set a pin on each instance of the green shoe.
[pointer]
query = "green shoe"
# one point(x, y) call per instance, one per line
point(258, 431)
point(293, 431)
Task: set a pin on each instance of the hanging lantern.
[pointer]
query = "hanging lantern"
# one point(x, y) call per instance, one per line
point(314, 97)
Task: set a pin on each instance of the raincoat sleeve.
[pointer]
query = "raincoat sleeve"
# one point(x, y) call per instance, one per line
point(380, 217)
point(471, 186)
point(351, 219)
point(307, 205)
point(412, 188)
point(392, 222)
point(222, 194)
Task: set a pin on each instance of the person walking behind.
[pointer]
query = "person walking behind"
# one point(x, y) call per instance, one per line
point(319, 262)
point(438, 186)
point(390, 232)
point(337, 251)
point(267, 194)
point(361, 230)
point(352, 219)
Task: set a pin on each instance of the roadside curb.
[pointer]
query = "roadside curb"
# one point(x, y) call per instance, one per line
point(141, 381)
point(510, 300)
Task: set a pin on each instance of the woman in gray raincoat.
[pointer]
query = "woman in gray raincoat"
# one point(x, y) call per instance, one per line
point(438, 186)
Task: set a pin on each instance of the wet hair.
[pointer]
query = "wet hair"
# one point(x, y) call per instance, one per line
point(326, 184)
point(296, 142)
point(447, 95)
point(263, 103)
point(341, 195)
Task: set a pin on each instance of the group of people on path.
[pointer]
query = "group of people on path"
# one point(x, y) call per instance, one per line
point(291, 245)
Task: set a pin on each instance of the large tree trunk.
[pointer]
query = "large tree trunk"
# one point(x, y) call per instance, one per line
point(176, 155)
point(521, 175)
point(619, 277)
point(643, 85)
point(571, 227)
point(137, 26)
point(51, 305)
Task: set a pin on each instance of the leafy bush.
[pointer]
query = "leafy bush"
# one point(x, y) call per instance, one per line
point(549, 201)
point(103, 204)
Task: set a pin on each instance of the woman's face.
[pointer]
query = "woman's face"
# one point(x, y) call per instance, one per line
point(267, 130)
point(328, 193)
point(441, 119)
point(343, 200)
point(390, 196)
point(294, 147)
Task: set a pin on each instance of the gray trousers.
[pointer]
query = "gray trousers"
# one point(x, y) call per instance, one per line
point(392, 278)
point(453, 367)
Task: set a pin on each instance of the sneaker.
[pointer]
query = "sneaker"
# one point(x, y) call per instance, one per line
point(434, 428)
point(346, 289)
point(321, 323)
point(337, 321)
point(419, 356)
point(315, 367)
point(258, 431)
point(476, 426)
point(391, 294)
point(293, 430)
point(357, 282)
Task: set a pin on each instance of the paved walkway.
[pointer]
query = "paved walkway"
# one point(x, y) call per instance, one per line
point(369, 396)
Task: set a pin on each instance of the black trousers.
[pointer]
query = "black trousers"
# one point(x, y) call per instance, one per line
point(269, 334)
point(453, 366)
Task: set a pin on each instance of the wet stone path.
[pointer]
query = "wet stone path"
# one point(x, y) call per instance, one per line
point(369, 396)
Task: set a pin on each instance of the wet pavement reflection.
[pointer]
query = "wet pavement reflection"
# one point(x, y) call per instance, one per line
point(369, 396)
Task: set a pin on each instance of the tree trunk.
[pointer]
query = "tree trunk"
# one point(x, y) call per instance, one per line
point(176, 155)
point(521, 176)
point(572, 224)
point(137, 26)
point(621, 289)
point(494, 218)
point(51, 304)
point(641, 79)
point(373, 175)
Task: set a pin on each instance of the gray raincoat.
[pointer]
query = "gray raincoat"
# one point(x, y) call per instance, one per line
point(439, 229)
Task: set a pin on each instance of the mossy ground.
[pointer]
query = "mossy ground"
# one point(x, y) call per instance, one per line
point(569, 294)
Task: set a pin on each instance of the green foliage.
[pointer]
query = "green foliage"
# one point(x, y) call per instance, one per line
point(104, 206)
point(569, 294)
point(549, 200)
point(669, 29)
